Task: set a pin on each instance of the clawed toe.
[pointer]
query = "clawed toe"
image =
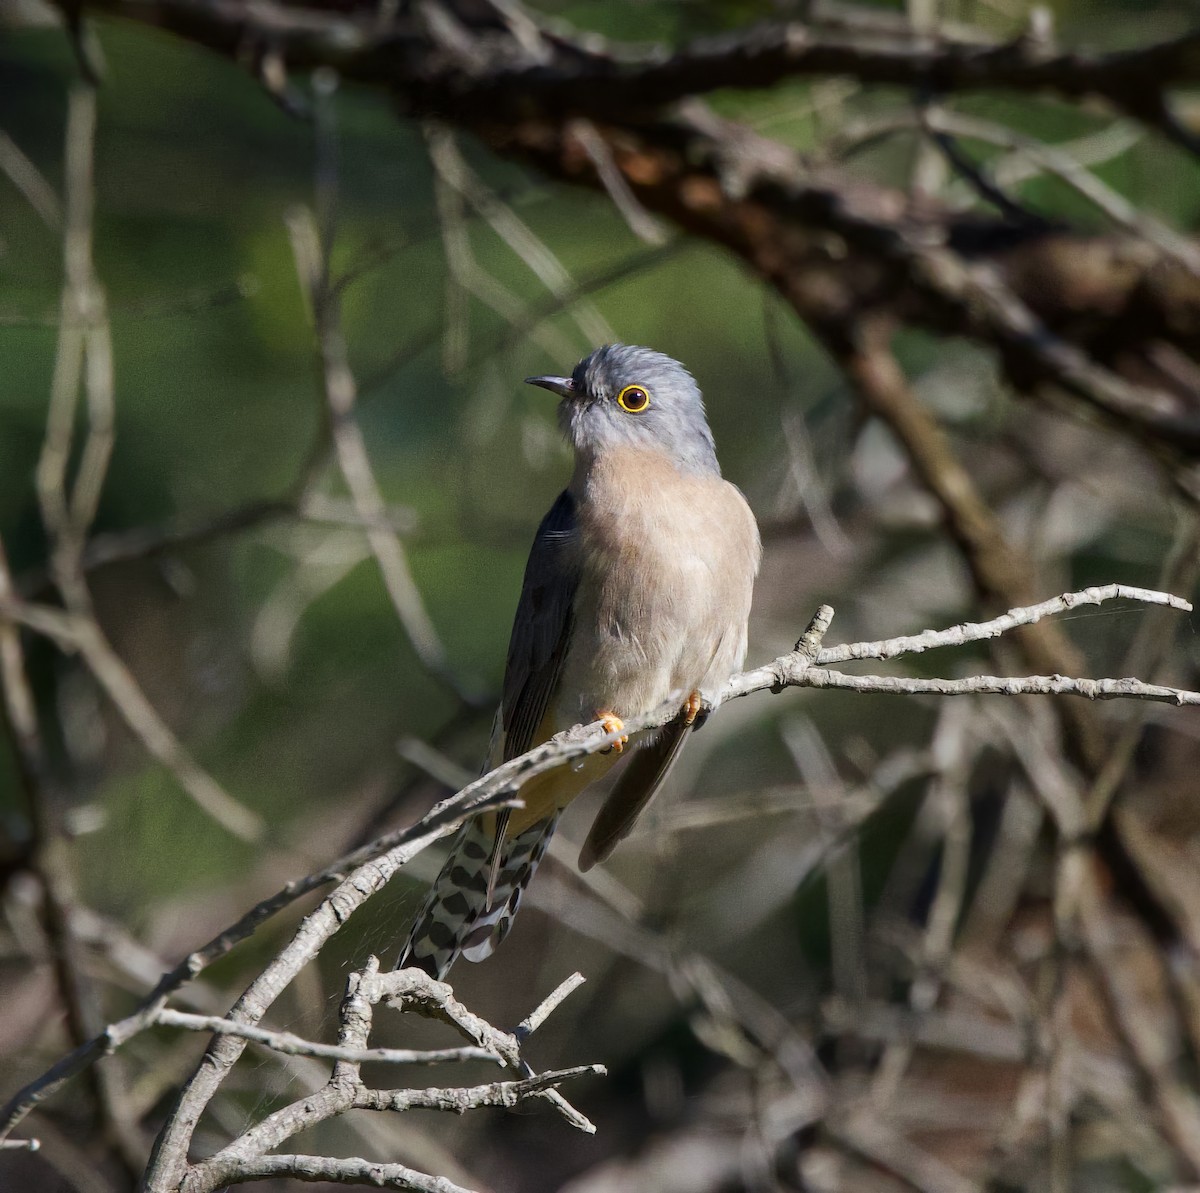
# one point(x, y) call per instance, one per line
point(613, 724)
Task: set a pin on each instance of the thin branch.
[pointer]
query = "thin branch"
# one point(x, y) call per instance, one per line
point(441, 821)
point(30, 181)
point(159, 739)
point(367, 870)
point(405, 990)
point(337, 1171)
point(1068, 169)
point(413, 990)
point(80, 633)
point(452, 167)
point(548, 1006)
point(972, 631)
point(467, 276)
point(1001, 685)
point(293, 1045)
point(641, 223)
point(496, 1093)
point(340, 394)
point(84, 359)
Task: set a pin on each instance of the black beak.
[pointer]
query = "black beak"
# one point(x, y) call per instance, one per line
point(563, 386)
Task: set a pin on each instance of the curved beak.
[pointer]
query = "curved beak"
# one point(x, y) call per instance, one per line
point(563, 386)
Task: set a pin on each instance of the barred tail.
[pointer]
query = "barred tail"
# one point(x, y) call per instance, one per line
point(457, 916)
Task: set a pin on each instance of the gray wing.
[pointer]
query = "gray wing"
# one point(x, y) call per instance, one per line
point(542, 626)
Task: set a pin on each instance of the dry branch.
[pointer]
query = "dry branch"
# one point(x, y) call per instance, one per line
point(833, 246)
point(405, 990)
point(366, 871)
point(292, 1045)
point(615, 79)
point(961, 635)
point(340, 392)
point(337, 1171)
point(1086, 316)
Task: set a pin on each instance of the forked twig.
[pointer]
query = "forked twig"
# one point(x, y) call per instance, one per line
point(367, 870)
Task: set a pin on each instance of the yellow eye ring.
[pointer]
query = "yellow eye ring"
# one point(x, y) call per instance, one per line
point(634, 399)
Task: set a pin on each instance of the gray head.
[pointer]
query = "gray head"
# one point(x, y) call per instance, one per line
point(622, 396)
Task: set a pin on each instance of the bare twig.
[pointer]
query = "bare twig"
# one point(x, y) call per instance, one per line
point(292, 1045)
point(504, 221)
point(406, 990)
point(337, 1171)
point(525, 93)
point(350, 448)
point(1070, 170)
point(169, 1161)
point(84, 354)
point(947, 800)
point(548, 1006)
point(842, 864)
point(467, 276)
point(960, 635)
point(85, 357)
point(30, 181)
point(367, 870)
point(641, 223)
point(1024, 685)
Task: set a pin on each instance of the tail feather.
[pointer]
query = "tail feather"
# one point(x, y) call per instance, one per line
point(458, 917)
point(643, 775)
point(520, 859)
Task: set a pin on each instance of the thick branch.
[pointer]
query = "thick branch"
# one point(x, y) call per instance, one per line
point(597, 77)
point(1060, 308)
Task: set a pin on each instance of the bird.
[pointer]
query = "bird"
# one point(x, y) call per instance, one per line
point(638, 587)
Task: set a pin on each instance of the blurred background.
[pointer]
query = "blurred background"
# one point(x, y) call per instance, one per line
point(836, 953)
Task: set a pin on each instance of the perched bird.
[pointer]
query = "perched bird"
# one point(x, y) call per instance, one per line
point(638, 586)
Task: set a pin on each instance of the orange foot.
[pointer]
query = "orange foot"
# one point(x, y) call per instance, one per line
point(613, 724)
point(692, 707)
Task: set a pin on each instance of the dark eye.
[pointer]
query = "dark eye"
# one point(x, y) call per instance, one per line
point(633, 398)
